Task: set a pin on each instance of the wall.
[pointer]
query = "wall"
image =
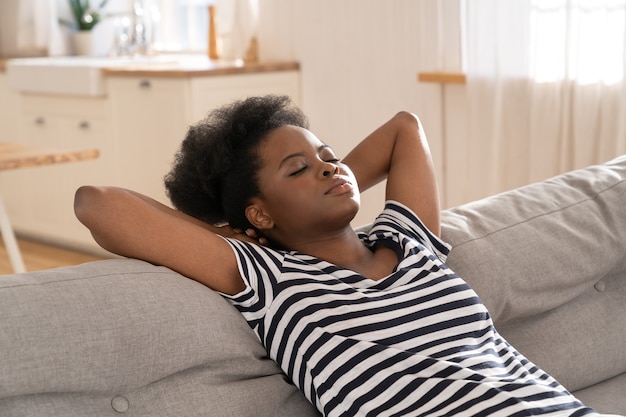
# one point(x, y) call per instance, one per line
point(360, 60)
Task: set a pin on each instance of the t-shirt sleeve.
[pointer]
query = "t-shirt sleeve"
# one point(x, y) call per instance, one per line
point(399, 217)
point(259, 267)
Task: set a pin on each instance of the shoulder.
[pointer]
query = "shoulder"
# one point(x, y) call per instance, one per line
point(247, 248)
point(399, 219)
point(259, 267)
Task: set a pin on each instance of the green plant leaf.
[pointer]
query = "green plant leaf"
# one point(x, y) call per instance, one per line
point(80, 8)
point(77, 10)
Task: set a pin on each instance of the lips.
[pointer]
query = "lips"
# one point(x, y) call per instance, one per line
point(339, 185)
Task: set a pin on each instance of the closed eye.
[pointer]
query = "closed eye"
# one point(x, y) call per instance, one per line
point(298, 172)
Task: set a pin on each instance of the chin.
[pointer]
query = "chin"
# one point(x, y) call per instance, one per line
point(339, 219)
point(352, 211)
point(356, 199)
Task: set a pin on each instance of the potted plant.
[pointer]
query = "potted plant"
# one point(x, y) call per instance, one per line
point(85, 18)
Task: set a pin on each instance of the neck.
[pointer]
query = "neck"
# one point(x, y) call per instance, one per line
point(346, 250)
point(342, 248)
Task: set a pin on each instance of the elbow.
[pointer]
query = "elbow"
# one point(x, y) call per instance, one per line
point(410, 123)
point(85, 203)
point(91, 209)
point(81, 201)
point(410, 119)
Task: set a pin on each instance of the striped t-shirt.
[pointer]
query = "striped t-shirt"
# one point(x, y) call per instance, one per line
point(417, 342)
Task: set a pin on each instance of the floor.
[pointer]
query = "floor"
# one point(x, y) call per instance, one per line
point(38, 256)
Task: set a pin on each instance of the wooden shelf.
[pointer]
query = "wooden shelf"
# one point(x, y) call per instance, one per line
point(442, 77)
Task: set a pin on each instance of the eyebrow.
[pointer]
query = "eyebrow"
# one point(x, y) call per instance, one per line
point(298, 154)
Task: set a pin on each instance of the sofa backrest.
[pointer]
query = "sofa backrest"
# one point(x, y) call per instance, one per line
point(549, 262)
point(121, 336)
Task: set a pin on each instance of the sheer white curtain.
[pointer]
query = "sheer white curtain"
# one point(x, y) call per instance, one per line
point(545, 88)
point(37, 28)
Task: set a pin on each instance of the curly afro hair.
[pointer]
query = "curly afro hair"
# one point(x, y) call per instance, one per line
point(214, 175)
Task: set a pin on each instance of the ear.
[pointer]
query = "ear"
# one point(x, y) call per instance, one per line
point(258, 217)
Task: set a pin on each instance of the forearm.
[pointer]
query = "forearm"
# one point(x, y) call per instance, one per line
point(371, 160)
point(135, 226)
point(399, 152)
point(176, 213)
point(120, 219)
point(114, 216)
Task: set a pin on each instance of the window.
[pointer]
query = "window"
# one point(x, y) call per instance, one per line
point(580, 40)
point(183, 25)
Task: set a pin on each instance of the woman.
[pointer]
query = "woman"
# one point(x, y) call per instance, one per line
point(363, 323)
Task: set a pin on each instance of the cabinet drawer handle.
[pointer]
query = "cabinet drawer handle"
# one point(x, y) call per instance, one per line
point(145, 84)
point(83, 125)
point(40, 121)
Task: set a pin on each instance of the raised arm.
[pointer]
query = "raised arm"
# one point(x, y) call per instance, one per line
point(398, 151)
point(133, 225)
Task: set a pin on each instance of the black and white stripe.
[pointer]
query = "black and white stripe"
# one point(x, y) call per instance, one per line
point(416, 343)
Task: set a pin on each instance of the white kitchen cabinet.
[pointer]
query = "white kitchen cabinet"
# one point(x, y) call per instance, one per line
point(152, 114)
point(9, 114)
point(40, 200)
point(8, 126)
point(149, 123)
point(207, 93)
point(8, 110)
point(137, 126)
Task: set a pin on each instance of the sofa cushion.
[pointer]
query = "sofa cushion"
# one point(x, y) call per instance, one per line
point(608, 396)
point(549, 262)
point(123, 335)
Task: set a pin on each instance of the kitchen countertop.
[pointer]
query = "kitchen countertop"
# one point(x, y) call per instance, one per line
point(198, 68)
point(5, 58)
point(194, 66)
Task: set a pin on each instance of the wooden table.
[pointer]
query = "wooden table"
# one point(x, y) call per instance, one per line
point(14, 156)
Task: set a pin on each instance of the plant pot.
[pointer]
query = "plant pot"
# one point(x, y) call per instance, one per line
point(84, 43)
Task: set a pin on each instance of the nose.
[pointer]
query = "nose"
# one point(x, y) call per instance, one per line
point(329, 169)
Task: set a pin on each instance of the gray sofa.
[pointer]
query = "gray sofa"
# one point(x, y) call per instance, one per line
point(122, 337)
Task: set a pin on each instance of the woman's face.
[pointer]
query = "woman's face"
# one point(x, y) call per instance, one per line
point(305, 189)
